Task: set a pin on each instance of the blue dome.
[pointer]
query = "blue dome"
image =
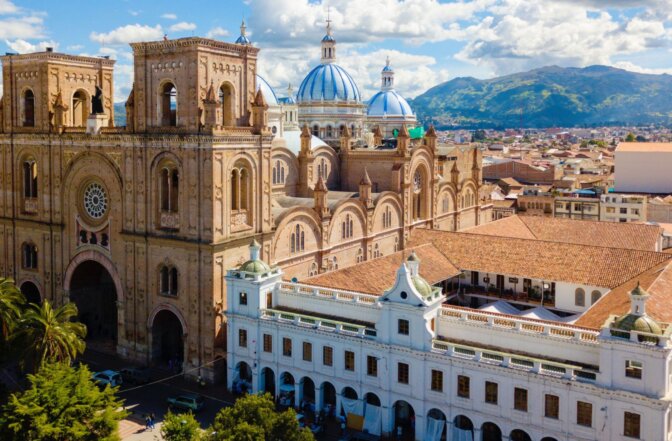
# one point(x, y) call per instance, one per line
point(267, 91)
point(243, 40)
point(388, 103)
point(328, 82)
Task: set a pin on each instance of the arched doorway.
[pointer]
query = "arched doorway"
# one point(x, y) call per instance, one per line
point(436, 426)
point(31, 292)
point(349, 393)
point(242, 380)
point(519, 435)
point(268, 381)
point(372, 399)
point(80, 109)
point(287, 389)
point(328, 396)
point(490, 432)
point(307, 394)
point(93, 290)
point(404, 420)
point(463, 428)
point(167, 340)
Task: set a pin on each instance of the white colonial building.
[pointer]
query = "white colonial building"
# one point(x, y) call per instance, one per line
point(446, 363)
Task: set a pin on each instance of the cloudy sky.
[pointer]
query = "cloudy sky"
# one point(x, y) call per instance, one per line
point(429, 41)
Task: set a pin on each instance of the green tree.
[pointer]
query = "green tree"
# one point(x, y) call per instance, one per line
point(49, 334)
point(180, 427)
point(11, 301)
point(254, 418)
point(62, 404)
point(630, 137)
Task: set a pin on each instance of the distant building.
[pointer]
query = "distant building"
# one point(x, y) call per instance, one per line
point(643, 167)
point(623, 208)
point(522, 172)
point(536, 201)
point(577, 208)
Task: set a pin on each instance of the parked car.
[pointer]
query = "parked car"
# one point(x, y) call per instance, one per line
point(187, 402)
point(136, 375)
point(113, 378)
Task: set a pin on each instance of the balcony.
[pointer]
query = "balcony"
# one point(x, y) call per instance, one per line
point(169, 220)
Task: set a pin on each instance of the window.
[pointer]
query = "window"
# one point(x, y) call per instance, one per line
point(307, 351)
point(633, 369)
point(327, 356)
point(278, 173)
point(611, 210)
point(579, 297)
point(80, 109)
point(168, 282)
point(437, 381)
point(242, 338)
point(169, 189)
point(445, 204)
point(387, 218)
point(584, 414)
point(242, 298)
point(371, 366)
point(28, 108)
point(635, 211)
point(169, 105)
point(349, 361)
point(29, 252)
point(346, 227)
point(551, 406)
point(491, 390)
point(595, 296)
point(322, 169)
point(287, 347)
point(631, 424)
point(463, 386)
point(269, 300)
point(297, 240)
point(316, 130)
point(402, 373)
point(520, 399)
point(30, 179)
point(623, 210)
point(403, 327)
point(240, 185)
point(227, 104)
point(268, 343)
point(360, 256)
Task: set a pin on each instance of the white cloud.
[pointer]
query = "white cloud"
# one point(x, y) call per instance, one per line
point(169, 16)
point(632, 67)
point(24, 47)
point(123, 81)
point(183, 26)
point(134, 13)
point(7, 7)
point(217, 33)
point(128, 34)
point(75, 47)
point(26, 27)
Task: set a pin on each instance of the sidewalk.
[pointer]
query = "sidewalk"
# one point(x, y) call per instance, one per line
point(138, 432)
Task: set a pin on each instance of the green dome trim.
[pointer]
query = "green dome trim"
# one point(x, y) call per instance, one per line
point(638, 323)
point(255, 267)
point(421, 285)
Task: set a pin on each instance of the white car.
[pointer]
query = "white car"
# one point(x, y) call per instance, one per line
point(113, 378)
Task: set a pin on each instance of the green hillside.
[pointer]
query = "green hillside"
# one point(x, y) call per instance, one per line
point(550, 96)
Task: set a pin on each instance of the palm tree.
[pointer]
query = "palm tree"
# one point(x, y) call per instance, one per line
point(49, 334)
point(11, 301)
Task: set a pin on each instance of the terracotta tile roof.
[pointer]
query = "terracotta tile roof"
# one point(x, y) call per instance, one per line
point(644, 147)
point(657, 281)
point(539, 259)
point(377, 275)
point(634, 236)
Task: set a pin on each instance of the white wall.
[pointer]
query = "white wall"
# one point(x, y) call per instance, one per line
point(645, 172)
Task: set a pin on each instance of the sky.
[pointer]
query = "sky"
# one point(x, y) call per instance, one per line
point(428, 41)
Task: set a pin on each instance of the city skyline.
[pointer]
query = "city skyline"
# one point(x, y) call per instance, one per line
point(428, 41)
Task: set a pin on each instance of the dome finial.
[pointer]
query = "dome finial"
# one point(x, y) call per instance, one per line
point(242, 39)
point(387, 61)
point(328, 43)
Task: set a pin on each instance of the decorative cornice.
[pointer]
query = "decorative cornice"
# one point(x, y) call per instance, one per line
point(58, 57)
point(158, 47)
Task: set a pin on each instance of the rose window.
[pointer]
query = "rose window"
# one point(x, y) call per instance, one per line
point(95, 201)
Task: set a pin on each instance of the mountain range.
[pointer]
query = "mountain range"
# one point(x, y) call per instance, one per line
point(547, 97)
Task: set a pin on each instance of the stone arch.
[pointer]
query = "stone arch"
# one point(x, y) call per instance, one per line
point(327, 153)
point(358, 216)
point(387, 200)
point(519, 435)
point(421, 190)
point(166, 189)
point(168, 307)
point(80, 107)
point(226, 94)
point(291, 173)
point(27, 107)
point(76, 165)
point(27, 175)
point(490, 432)
point(446, 192)
point(31, 290)
point(241, 179)
point(168, 333)
point(436, 425)
point(102, 260)
point(311, 228)
point(168, 103)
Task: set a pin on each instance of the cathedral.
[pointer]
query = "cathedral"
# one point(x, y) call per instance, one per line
point(138, 224)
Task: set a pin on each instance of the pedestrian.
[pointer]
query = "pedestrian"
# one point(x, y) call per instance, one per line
point(148, 422)
point(152, 420)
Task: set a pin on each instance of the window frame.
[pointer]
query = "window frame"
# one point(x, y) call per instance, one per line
point(403, 373)
point(242, 298)
point(489, 394)
point(584, 410)
point(628, 425)
point(463, 386)
point(436, 380)
point(551, 411)
point(242, 338)
point(349, 361)
point(634, 372)
point(267, 343)
point(307, 351)
point(328, 356)
point(520, 399)
point(403, 327)
point(371, 366)
point(286, 347)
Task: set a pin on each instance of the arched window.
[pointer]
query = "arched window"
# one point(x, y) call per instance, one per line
point(235, 188)
point(240, 188)
point(445, 204)
point(169, 189)
point(376, 251)
point(330, 132)
point(360, 256)
point(168, 280)
point(418, 195)
point(387, 218)
point(80, 109)
point(28, 108)
point(29, 256)
point(595, 296)
point(341, 130)
point(226, 102)
point(278, 173)
point(297, 240)
point(579, 297)
point(30, 178)
point(313, 269)
point(323, 169)
point(316, 130)
point(168, 105)
point(396, 244)
point(347, 227)
point(352, 130)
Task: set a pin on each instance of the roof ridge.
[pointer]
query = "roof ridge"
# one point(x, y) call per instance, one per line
point(528, 227)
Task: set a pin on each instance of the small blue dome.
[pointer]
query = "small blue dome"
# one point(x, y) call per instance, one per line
point(267, 91)
point(328, 82)
point(388, 103)
point(242, 40)
point(328, 38)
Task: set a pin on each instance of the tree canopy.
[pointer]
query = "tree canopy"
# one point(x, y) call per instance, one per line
point(254, 418)
point(62, 404)
point(180, 427)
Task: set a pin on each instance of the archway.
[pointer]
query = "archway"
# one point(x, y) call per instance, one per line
point(242, 380)
point(93, 290)
point(519, 435)
point(169, 105)
point(167, 340)
point(463, 428)
point(31, 292)
point(28, 108)
point(419, 187)
point(436, 426)
point(328, 396)
point(349, 393)
point(287, 389)
point(268, 381)
point(307, 394)
point(404, 420)
point(490, 432)
point(372, 399)
point(548, 438)
point(80, 109)
point(226, 101)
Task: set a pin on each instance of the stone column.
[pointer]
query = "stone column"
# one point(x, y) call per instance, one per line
point(420, 426)
point(296, 395)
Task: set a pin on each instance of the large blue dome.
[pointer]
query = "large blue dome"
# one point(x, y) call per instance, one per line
point(267, 91)
point(328, 82)
point(388, 103)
